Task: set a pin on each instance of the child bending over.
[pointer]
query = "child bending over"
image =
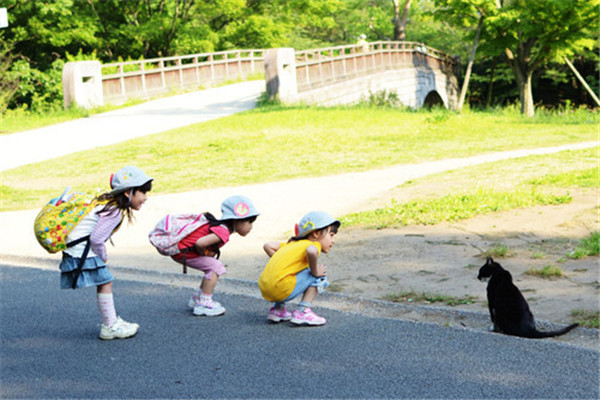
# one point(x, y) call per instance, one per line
point(202, 246)
point(129, 187)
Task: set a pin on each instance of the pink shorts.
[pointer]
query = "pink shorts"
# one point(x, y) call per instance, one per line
point(208, 265)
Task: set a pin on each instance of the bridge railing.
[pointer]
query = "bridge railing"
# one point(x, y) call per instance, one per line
point(145, 78)
point(320, 67)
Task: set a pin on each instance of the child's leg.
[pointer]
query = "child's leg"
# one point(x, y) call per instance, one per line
point(278, 313)
point(304, 315)
point(112, 326)
point(203, 303)
point(208, 284)
point(106, 304)
point(212, 269)
point(308, 297)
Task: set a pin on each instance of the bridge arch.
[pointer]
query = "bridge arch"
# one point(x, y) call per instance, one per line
point(433, 99)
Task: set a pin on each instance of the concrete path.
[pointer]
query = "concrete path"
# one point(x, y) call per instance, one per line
point(127, 123)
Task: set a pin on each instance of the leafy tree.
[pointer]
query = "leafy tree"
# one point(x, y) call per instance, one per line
point(531, 34)
point(465, 14)
point(9, 81)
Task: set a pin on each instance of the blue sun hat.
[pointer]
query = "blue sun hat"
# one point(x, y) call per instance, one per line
point(128, 178)
point(313, 221)
point(238, 207)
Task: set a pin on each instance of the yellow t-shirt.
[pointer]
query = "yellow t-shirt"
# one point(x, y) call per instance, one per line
point(278, 279)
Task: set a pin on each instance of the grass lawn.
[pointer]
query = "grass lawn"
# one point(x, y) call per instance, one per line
point(275, 143)
point(486, 188)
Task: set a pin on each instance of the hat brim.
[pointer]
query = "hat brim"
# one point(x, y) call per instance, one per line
point(115, 192)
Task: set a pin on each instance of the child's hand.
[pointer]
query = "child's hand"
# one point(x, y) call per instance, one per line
point(321, 270)
point(271, 248)
point(210, 253)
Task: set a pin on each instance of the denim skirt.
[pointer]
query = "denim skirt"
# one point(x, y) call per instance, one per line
point(94, 272)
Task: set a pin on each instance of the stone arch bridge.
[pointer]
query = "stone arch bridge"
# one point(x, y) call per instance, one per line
point(417, 74)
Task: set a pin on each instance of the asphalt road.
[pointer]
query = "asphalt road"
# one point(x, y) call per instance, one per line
point(50, 349)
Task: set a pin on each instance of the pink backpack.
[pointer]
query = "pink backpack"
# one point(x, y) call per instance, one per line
point(171, 229)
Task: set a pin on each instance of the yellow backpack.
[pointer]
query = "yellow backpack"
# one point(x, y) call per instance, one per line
point(59, 217)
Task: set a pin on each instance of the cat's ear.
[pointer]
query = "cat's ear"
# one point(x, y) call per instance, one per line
point(489, 260)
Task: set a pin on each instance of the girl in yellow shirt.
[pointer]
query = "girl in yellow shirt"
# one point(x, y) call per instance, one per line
point(294, 269)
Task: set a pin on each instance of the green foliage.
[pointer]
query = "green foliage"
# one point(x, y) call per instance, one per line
point(382, 98)
point(453, 207)
point(547, 272)
point(42, 33)
point(586, 318)
point(428, 298)
point(9, 80)
point(256, 32)
point(588, 178)
point(498, 251)
point(587, 247)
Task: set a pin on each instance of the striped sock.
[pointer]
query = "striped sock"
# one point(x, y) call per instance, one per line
point(206, 300)
point(303, 305)
point(106, 306)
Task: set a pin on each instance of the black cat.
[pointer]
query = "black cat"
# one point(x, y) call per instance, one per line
point(509, 310)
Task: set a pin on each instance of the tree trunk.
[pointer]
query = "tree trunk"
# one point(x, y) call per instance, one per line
point(400, 21)
point(523, 76)
point(463, 90)
point(527, 96)
point(488, 101)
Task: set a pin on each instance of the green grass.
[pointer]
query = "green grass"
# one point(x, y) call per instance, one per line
point(585, 318)
point(585, 179)
point(547, 272)
point(498, 251)
point(450, 208)
point(477, 190)
point(428, 298)
point(586, 247)
point(275, 143)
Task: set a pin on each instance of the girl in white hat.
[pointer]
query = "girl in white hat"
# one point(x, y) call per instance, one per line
point(84, 264)
point(294, 269)
point(201, 250)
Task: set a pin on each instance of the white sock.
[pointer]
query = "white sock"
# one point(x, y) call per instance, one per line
point(206, 299)
point(106, 306)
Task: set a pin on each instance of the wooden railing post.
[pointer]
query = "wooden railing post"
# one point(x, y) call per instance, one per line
point(163, 81)
point(122, 81)
point(142, 70)
point(180, 73)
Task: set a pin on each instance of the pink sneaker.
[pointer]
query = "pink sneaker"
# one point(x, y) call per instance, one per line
point(279, 314)
point(307, 317)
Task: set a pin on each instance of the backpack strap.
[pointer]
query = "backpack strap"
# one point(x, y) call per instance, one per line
point(83, 257)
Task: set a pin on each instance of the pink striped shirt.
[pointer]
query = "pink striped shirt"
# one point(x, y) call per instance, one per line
point(107, 222)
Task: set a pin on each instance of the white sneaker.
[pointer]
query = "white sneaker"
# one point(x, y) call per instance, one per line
point(211, 309)
point(119, 330)
point(193, 298)
point(192, 301)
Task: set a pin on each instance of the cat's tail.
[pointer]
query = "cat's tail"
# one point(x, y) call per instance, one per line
point(538, 335)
